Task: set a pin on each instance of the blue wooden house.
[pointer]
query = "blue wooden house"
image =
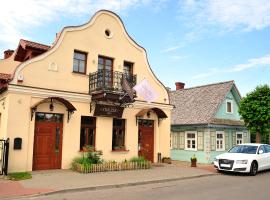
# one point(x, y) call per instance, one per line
point(205, 121)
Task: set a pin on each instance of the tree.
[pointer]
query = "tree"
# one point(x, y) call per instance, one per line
point(255, 111)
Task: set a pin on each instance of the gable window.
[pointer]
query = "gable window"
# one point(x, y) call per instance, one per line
point(118, 137)
point(191, 140)
point(239, 137)
point(79, 62)
point(88, 131)
point(220, 141)
point(229, 106)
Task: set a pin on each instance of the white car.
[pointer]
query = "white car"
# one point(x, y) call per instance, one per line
point(245, 158)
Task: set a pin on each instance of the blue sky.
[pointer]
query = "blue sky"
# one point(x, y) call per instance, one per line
point(193, 41)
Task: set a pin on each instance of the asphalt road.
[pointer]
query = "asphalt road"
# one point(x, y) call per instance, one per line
point(223, 186)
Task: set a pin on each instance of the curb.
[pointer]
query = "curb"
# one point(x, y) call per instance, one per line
point(121, 185)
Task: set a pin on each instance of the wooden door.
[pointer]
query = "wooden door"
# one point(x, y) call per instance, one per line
point(146, 139)
point(47, 152)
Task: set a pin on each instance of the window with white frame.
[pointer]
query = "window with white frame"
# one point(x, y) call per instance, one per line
point(239, 137)
point(220, 144)
point(191, 140)
point(229, 106)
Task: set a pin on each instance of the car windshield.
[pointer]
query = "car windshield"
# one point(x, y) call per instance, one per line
point(249, 149)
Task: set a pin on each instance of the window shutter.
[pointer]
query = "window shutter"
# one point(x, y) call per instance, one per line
point(234, 138)
point(213, 141)
point(174, 140)
point(182, 140)
point(200, 141)
point(245, 139)
point(227, 146)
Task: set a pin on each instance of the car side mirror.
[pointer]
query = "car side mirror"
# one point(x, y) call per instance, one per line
point(261, 151)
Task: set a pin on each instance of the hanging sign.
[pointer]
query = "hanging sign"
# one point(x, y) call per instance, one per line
point(108, 111)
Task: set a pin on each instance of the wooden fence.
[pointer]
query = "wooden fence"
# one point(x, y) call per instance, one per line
point(104, 167)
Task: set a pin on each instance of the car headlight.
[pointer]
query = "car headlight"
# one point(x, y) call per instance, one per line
point(215, 160)
point(241, 161)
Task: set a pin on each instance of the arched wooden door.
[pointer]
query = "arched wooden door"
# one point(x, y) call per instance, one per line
point(47, 153)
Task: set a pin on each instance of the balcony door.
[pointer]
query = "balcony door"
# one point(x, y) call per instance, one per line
point(105, 72)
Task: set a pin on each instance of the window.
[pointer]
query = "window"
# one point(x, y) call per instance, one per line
point(128, 68)
point(267, 148)
point(191, 141)
point(88, 129)
point(105, 70)
point(229, 107)
point(220, 141)
point(263, 148)
point(239, 137)
point(118, 139)
point(79, 62)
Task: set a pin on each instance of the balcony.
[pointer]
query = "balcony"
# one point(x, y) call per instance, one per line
point(107, 85)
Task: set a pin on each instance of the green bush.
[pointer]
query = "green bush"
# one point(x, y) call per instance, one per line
point(139, 159)
point(89, 157)
point(94, 157)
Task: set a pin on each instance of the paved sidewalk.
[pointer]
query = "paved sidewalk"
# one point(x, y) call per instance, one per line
point(65, 180)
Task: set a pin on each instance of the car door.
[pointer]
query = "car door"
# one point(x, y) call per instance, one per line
point(267, 148)
point(262, 157)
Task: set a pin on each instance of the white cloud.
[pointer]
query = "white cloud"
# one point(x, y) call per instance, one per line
point(228, 15)
point(263, 61)
point(18, 17)
point(170, 49)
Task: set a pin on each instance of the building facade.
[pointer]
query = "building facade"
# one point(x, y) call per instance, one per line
point(78, 92)
point(205, 121)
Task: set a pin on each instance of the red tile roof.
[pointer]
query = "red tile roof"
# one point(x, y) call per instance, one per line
point(5, 77)
point(27, 43)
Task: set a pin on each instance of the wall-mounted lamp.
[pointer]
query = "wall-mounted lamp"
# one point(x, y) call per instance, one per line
point(51, 106)
point(148, 114)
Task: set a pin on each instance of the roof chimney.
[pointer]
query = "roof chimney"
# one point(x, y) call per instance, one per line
point(179, 85)
point(8, 53)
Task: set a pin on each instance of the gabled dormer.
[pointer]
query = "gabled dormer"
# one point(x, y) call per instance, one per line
point(228, 109)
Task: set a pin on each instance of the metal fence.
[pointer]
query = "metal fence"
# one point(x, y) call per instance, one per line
point(109, 80)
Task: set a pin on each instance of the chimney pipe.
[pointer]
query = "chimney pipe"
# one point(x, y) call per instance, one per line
point(179, 85)
point(8, 53)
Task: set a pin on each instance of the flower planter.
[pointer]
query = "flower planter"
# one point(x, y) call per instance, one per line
point(167, 160)
point(193, 162)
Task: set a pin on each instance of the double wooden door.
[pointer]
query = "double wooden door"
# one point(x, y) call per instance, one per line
point(48, 141)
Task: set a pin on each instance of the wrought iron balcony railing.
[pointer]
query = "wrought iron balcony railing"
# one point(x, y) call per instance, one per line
point(107, 80)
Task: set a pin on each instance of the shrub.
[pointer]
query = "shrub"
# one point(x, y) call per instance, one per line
point(139, 159)
point(89, 157)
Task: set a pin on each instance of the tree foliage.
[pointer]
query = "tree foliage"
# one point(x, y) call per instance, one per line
point(255, 110)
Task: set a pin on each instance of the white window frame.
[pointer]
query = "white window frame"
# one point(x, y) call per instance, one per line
point(231, 102)
point(242, 139)
point(186, 139)
point(218, 140)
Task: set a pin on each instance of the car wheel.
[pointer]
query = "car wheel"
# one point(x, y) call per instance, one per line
point(253, 168)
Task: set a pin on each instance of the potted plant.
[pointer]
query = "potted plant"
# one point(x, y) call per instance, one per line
point(193, 160)
point(167, 160)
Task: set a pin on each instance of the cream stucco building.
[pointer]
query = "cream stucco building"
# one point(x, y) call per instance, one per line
point(59, 98)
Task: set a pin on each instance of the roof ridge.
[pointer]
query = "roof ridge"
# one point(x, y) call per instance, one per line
point(206, 85)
